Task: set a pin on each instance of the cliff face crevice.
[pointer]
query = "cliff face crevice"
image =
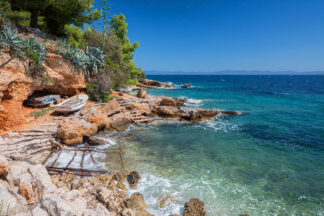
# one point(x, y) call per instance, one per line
point(16, 86)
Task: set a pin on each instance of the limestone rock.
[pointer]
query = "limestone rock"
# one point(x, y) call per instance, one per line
point(152, 83)
point(55, 205)
point(119, 122)
point(141, 93)
point(168, 111)
point(194, 207)
point(111, 108)
point(4, 166)
point(121, 186)
point(136, 202)
point(198, 115)
point(168, 102)
point(41, 179)
point(8, 201)
point(99, 119)
point(26, 191)
point(37, 211)
point(133, 179)
point(113, 199)
point(71, 131)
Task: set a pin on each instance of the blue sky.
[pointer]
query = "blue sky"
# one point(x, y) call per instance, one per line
point(214, 35)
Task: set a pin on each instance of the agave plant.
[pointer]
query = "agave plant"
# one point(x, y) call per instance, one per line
point(96, 59)
point(9, 38)
point(32, 45)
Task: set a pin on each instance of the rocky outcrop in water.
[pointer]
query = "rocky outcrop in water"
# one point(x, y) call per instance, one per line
point(185, 86)
point(194, 207)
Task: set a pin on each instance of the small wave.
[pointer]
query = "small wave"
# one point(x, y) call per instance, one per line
point(194, 101)
point(153, 187)
point(219, 124)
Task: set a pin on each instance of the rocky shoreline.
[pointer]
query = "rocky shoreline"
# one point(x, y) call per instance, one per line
point(31, 188)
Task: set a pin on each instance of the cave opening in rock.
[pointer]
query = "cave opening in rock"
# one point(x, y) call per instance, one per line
point(42, 99)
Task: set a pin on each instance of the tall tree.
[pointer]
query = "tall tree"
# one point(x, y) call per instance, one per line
point(119, 27)
point(35, 7)
point(58, 13)
point(62, 12)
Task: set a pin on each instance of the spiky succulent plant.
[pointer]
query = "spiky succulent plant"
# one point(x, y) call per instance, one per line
point(9, 38)
point(32, 45)
point(96, 59)
point(89, 61)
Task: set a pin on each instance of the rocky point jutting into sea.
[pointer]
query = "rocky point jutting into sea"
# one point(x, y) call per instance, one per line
point(32, 180)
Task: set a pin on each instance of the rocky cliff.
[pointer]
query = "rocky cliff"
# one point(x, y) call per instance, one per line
point(16, 85)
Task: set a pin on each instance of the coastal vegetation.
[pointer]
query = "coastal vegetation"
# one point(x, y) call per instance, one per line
point(94, 41)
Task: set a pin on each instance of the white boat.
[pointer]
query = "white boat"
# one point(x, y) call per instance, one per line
point(72, 104)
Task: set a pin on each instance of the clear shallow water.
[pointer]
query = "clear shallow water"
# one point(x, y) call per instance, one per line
point(267, 162)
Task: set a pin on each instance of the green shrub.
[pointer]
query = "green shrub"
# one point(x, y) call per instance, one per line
point(74, 35)
point(96, 94)
point(132, 82)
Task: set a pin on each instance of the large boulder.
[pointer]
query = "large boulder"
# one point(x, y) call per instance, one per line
point(136, 202)
point(168, 111)
point(167, 101)
point(55, 205)
point(111, 108)
point(72, 130)
point(99, 119)
point(119, 122)
point(194, 207)
point(141, 93)
point(113, 199)
point(152, 83)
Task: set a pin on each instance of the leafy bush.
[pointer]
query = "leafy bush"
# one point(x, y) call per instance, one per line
point(74, 35)
point(100, 88)
point(132, 82)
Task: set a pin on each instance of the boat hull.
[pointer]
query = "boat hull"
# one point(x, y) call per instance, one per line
point(70, 108)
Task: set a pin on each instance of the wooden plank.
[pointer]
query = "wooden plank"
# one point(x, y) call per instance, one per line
point(67, 166)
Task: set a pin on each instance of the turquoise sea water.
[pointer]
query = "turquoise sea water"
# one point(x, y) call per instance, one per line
point(269, 161)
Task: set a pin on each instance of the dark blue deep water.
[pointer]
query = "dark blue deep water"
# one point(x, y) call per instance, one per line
point(269, 161)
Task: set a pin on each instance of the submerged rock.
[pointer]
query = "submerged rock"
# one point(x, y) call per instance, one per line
point(185, 86)
point(194, 207)
point(164, 200)
point(198, 115)
point(133, 179)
